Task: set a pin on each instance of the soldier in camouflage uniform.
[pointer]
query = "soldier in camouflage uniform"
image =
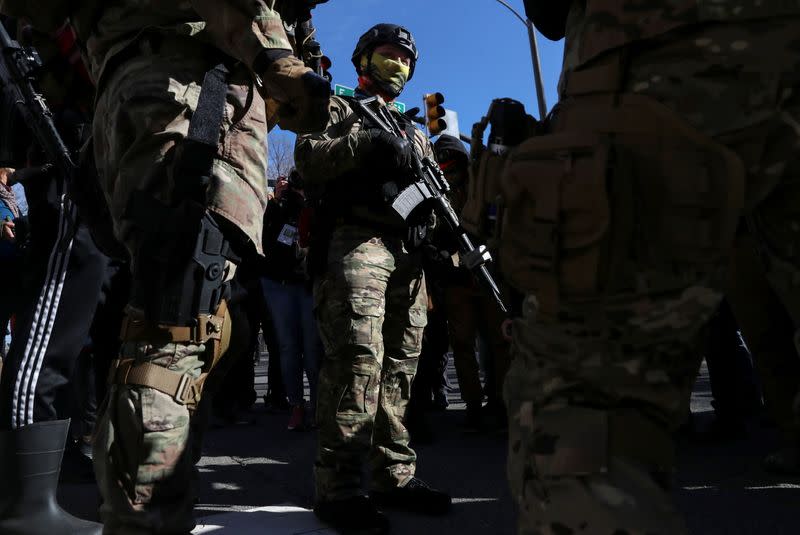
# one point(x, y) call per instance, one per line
point(678, 123)
point(370, 299)
point(150, 60)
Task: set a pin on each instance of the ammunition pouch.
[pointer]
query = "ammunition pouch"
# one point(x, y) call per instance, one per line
point(622, 197)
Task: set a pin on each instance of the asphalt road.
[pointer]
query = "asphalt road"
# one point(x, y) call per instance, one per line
point(255, 477)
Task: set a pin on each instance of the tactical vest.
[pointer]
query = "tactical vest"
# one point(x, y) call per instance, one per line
point(609, 24)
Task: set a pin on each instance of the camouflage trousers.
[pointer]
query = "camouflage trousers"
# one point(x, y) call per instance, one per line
point(143, 448)
point(602, 369)
point(371, 311)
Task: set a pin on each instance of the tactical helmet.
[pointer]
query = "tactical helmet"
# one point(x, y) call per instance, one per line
point(382, 34)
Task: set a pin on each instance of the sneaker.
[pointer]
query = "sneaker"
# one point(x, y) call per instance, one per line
point(416, 496)
point(296, 418)
point(352, 516)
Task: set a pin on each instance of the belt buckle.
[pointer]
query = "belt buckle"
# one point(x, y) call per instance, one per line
point(183, 386)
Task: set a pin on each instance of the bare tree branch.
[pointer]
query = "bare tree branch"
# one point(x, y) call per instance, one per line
point(280, 156)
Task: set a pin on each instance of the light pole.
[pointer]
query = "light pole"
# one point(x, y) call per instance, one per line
point(537, 67)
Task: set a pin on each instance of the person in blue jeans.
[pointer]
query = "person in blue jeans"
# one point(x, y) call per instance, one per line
point(288, 296)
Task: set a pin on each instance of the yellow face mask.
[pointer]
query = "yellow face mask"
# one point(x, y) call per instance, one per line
point(389, 73)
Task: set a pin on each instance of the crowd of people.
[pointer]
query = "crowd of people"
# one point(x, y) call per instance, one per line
point(660, 184)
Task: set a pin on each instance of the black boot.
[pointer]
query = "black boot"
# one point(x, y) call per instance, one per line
point(416, 497)
point(352, 516)
point(31, 461)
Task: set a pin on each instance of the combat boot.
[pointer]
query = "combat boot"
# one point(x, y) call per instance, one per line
point(352, 516)
point(31, 462)
point(415, 496)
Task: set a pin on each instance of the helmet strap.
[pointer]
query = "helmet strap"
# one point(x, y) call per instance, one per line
point(373, 87)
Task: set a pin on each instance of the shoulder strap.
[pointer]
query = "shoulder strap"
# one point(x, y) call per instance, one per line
point(202, 141)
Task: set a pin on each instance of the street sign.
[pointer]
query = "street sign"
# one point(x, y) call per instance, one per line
point(344, 91)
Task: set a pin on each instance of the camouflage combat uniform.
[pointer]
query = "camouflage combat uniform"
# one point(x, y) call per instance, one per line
point(371, 308)
point(149, 59)
point(676, 119)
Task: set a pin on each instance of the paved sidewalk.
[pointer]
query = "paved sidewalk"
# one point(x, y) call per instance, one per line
point(256, 478)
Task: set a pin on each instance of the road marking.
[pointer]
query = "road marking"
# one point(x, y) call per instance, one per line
point(271, 520)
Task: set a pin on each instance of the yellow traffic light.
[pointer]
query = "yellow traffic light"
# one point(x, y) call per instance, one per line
point(435, 112)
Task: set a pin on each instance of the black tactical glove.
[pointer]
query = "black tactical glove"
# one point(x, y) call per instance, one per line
point(301, 95)
point(389, 152)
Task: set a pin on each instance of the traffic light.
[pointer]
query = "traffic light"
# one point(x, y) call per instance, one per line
point(325, 63)
point(434, 115)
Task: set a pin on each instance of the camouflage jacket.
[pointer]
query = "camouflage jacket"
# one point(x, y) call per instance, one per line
point(328, 159)
point(241, 28)
point(596, 26)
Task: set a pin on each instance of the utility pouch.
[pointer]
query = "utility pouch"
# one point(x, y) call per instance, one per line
point(556, 213)
point(623, 197)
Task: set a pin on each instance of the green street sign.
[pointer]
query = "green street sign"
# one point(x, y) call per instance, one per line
point(344, 91)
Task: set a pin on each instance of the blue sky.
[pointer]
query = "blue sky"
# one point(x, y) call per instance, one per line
point(472, 51)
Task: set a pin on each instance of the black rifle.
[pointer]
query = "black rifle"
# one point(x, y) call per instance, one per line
point(308, 47)
point(18, 66)
point(430, 187)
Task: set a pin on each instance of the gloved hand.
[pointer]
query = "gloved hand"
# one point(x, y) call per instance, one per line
point(302, 96)
point(389, 152)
